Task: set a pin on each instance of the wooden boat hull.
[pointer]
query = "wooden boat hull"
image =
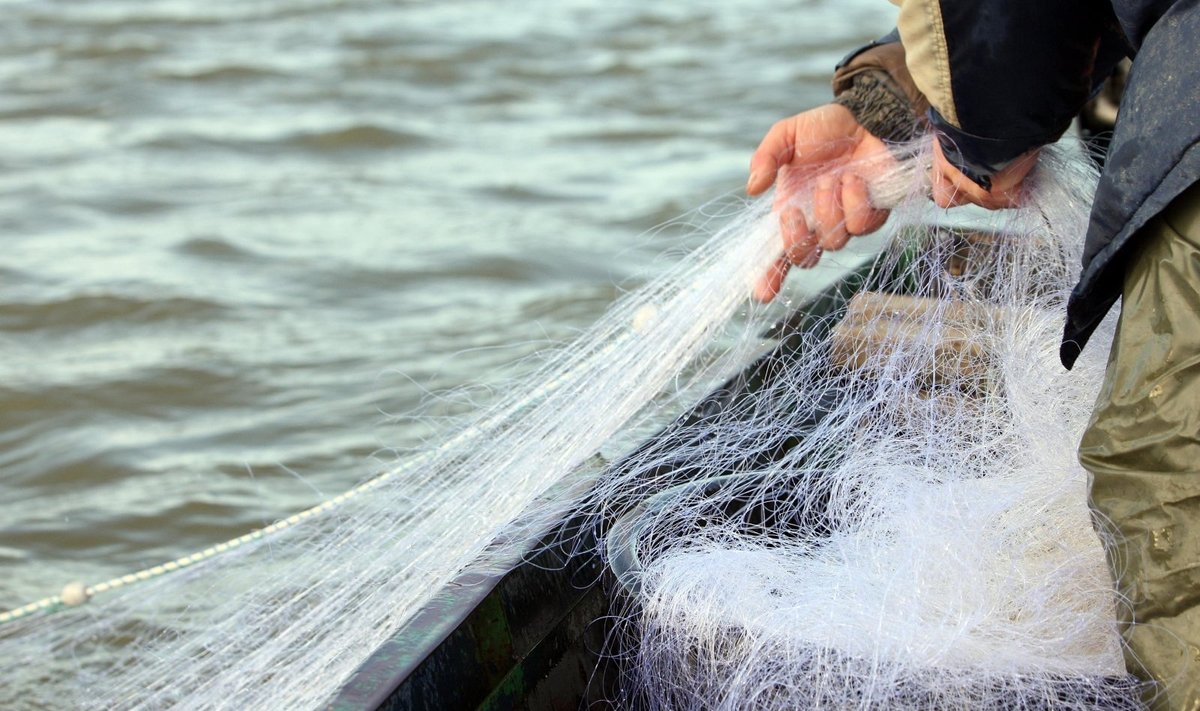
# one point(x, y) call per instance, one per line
point(536, 637)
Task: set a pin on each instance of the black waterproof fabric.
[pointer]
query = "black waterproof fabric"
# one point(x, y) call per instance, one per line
point(1019, 72)
point(1152, 159)
point(1020, 69)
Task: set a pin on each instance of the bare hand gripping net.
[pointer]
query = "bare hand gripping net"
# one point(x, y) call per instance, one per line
point(894, 519)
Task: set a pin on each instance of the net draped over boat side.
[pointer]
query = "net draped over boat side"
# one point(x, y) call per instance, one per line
point(916, 534)
point(932, 540)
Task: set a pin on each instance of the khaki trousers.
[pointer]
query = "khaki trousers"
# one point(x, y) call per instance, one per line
point(1143, 451)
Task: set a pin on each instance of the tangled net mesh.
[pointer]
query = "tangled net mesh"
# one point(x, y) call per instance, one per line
point(894, 519)
point(915, 532)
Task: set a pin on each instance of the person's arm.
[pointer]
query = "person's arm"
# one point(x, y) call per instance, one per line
point(831, 152)
point(875, 83)
point(996, 79)
point(1003, 78)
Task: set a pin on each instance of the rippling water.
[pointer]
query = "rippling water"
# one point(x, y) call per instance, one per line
point(239, 236)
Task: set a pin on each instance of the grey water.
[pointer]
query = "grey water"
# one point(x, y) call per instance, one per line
point(241, 239)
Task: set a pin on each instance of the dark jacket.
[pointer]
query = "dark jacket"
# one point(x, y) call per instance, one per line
point(1003, 76)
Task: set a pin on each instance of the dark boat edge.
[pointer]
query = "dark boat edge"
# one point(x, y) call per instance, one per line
point(534, 637)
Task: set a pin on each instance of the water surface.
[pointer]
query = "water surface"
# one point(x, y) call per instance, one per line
point(240, 236)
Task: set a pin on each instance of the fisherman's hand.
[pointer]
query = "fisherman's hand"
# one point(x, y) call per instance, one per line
point(951, 187)
point(826, 152)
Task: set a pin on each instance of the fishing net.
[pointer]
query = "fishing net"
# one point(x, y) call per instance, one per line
point(894, 517)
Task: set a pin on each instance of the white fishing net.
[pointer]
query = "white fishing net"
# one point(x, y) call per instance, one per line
point(902, 521)
point(915, 534)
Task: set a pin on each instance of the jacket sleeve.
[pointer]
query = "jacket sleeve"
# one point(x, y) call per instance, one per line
point(1004, 76)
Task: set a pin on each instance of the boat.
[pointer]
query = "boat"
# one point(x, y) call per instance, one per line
point(540, 636)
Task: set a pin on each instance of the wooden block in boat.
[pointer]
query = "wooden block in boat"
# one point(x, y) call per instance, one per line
point(944, 353)
point(870, 306)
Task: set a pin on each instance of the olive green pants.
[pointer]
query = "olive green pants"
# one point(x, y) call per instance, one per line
point(1143, 450)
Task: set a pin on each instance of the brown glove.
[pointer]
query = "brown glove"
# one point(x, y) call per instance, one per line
point(877, 88)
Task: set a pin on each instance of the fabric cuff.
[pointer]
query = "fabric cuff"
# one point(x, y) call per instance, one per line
point(880, 107)
point(979, 157)
point(874, 83)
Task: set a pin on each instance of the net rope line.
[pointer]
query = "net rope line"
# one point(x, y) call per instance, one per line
point(75, 593)
point(931, 513)
point(316, 599)
point(887, 191)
